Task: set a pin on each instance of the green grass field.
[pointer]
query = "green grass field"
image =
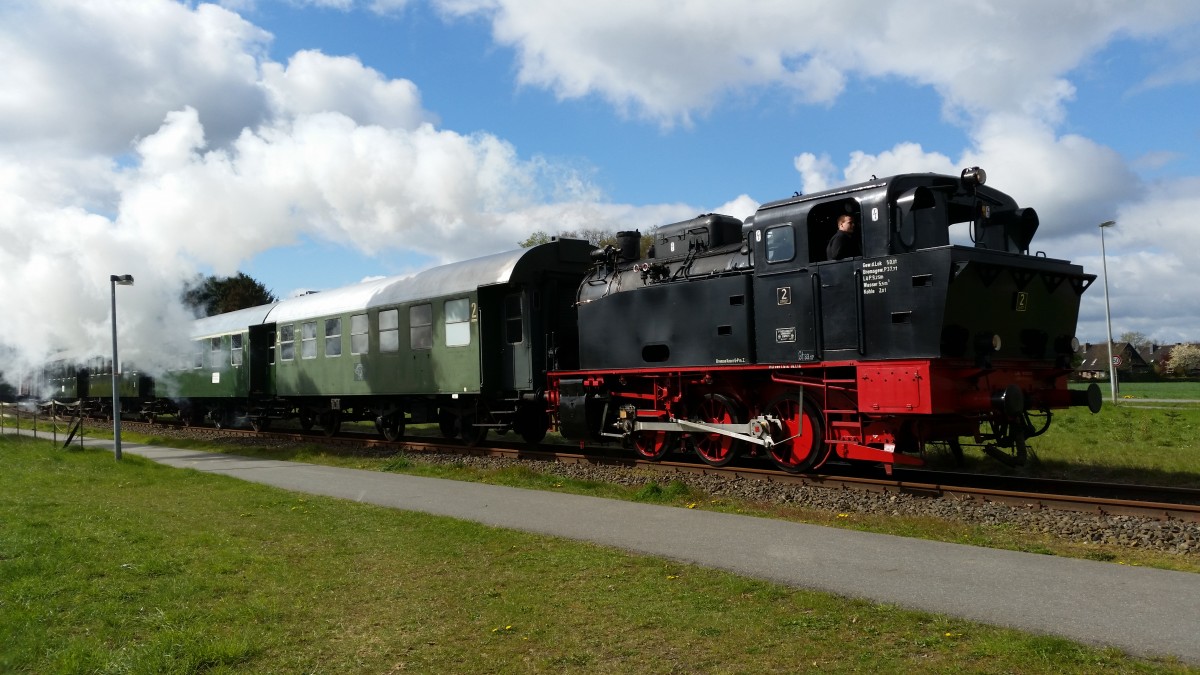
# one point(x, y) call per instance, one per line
point(1123, 443)
point(1149, 390)
point(133, 567)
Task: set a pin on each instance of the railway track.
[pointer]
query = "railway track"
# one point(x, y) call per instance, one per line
point(1145, 501)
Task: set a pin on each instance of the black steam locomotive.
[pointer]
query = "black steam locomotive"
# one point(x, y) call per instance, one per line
point(743, 339)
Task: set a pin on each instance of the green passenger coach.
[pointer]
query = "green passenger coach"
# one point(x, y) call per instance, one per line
point(410, 349)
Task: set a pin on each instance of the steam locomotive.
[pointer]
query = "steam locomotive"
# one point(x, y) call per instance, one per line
point(743, 339)
point(728, 339)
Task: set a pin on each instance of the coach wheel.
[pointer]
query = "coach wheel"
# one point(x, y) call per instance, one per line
point(472, 434)
point(260, 423)
point(654, 445)
point(148, 417)
point(307, 420)
point(799, 439)
point(391, 427)
point(221, 418)
point(448, 424)
point(532, 423)
point(715, 449)
point(331, 422)
point(190, 417)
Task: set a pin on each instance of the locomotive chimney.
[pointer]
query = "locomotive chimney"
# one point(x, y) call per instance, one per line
point(630, 244)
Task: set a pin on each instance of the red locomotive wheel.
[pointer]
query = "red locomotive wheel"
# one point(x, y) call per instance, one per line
point(800, 443)
point(654, 445)
point(715, 449)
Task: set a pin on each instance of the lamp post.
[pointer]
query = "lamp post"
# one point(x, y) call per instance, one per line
point(1112, 367)
point(116, 280)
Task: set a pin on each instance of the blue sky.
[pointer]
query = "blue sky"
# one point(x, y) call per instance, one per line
point(315, 143)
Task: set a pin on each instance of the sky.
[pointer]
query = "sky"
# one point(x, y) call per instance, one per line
point(315, 143)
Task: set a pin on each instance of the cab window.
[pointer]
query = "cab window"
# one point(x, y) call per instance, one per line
point(781, 244)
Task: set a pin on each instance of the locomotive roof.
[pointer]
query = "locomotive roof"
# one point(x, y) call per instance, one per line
point(452, 279)
point(930, 179)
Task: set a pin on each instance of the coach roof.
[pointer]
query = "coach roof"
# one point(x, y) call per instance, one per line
point(231, 322)
point(457, 278)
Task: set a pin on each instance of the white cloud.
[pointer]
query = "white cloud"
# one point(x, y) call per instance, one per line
point(667, 61)
point(313, 82)
point(1152, 263)
point(88, 77)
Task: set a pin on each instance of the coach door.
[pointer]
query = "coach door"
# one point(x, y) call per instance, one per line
point(262, 358)
point(516, 343)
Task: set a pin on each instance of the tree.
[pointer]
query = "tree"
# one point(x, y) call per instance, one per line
point(594, 236)
point(1185, 359)
point(1138, 340)
point(217, 295)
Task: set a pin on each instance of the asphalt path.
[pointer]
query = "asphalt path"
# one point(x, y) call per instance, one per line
point(1148, 612)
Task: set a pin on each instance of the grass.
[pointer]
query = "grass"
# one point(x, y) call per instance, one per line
point(113, 567)
point(1153, 390)
point(1151, 446)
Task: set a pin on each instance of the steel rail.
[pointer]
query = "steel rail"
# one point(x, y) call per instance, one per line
point(1077, 496)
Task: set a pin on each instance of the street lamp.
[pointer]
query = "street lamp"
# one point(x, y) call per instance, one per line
point(116, 280)
point(1112, 367)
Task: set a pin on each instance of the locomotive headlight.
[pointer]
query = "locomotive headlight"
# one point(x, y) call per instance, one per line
point(987, 344)
point(974, 176)
point(1066, 345)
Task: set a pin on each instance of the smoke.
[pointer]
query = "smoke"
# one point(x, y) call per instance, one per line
point(165, 144)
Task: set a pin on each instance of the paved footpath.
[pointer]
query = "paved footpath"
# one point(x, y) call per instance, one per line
point(1142, 611)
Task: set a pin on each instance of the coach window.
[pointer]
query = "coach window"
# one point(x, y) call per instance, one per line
point(389, 330)
point(420, 327)
point(287, 342)
point(198, 355)
point(308, 340)
point(358, 334)
point(215, 358)
point(333, 337)
point(235, 353)
point(458, 322)
point(513, 324)
point(781, 244)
